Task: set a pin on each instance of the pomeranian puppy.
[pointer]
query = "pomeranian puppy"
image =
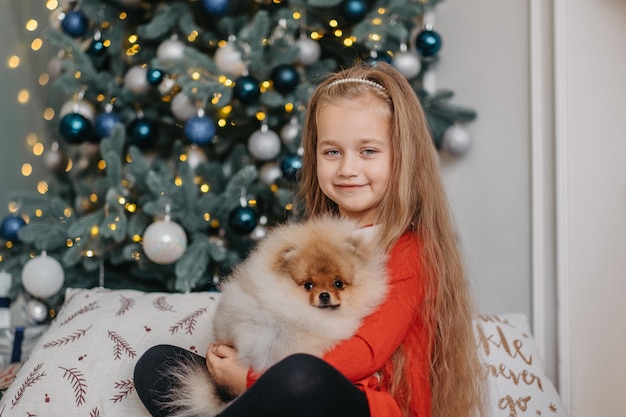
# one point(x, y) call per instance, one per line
point(304, 288)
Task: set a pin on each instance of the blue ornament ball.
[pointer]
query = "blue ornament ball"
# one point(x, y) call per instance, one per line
point(242, 220)
point(428, 43)
point(354, 10)
point(290, 166)
point(75, 128)
point(155, 76)
point(10, 226)
point(215, 7)
point(200, 130)
point(142, 133)
point(97, 48)
point(104, 123)
point(285, 78)
point(75, 23)
point(380, 57)
point(247, 89)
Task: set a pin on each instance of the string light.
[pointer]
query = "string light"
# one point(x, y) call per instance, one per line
point(23, 96)
point(13, 61)
point(27, 169)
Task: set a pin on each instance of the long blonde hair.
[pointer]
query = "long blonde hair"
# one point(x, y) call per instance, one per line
point(415, 201)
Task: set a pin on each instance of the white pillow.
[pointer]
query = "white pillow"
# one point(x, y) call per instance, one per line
point(83, 365)
point(518, 384)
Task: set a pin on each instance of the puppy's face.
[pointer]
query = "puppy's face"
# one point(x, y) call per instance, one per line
point(321, 274)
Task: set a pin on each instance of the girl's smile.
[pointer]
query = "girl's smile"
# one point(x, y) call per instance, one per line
point(354, 156)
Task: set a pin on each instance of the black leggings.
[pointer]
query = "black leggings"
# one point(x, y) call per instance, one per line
point(298, 386)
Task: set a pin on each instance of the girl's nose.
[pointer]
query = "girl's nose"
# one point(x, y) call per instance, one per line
point(348, 167)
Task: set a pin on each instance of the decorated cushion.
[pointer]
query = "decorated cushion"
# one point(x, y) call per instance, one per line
point(518, 384)
point(83, 364)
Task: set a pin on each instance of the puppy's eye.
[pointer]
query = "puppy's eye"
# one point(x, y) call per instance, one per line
point(308, 286)
point(338, 284)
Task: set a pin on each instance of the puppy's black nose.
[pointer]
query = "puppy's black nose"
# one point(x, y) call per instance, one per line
point(324, 297)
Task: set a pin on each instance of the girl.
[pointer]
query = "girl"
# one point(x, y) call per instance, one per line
point(368, 154)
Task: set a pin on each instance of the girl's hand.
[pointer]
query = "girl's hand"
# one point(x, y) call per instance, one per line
point(221, 361)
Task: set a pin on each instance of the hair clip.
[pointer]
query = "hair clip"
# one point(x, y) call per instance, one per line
point(356, 80)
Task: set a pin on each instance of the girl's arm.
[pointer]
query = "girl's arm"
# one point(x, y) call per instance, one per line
point(381, 333)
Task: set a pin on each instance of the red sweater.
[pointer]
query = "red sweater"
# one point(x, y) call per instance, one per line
point(395, 322)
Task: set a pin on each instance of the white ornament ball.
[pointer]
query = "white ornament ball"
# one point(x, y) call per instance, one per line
point(457, 140)
point(55, 160)
point(290, 133)
point(55, 66)
point(264, 144)
point(229, 59)
point(136, 79)
point(35, 311)
point(167, 85)
point(80, 106)
point(258, 233)
point(43, 276)
point(310, 51)
point(164, 242)
point(195, 156)
point(183, 108)
point(408, 64)
point(269, 173)
point(171, 49)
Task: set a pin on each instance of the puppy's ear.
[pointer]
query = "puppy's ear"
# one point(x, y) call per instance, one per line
point(285, 256)
point(358, 246)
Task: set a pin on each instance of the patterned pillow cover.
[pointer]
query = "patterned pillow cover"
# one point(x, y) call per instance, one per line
point(83, 364)
point(517, 381)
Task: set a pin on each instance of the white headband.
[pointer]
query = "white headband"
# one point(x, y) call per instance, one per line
point(356, 80)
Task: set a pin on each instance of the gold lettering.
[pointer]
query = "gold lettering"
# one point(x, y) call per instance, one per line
point(526, 377)
point(499, 340)
point(512, 405)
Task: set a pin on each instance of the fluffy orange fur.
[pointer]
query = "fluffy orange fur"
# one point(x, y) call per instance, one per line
point(415, 202)
point(319, 270)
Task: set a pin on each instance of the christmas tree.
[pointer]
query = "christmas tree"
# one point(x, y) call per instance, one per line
point(176, 145)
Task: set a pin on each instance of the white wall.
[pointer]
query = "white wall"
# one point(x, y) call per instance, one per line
point(541, 199)
point(591, 139)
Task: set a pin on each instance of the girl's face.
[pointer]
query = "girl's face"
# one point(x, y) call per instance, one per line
point(354, 156)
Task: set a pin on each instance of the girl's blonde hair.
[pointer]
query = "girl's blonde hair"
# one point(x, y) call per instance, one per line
point(415, 201)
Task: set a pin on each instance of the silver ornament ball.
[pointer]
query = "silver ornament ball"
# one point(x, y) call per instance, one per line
point(35, 311)
point(43, 276)
point(408, 63)
point(136, 79)
point(290, 133)
point(457, 140)
point(264, 144)
point(171, 49)
point(80, 106)
point(269, 173)
point(164, 242)
point(229, 59)
point(183, 108)
point(310, 51)
point(195, 156)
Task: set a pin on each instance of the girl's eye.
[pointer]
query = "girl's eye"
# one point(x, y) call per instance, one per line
point(332, 152)
point(338, 284)
point(308, 286)
point(370, 151)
